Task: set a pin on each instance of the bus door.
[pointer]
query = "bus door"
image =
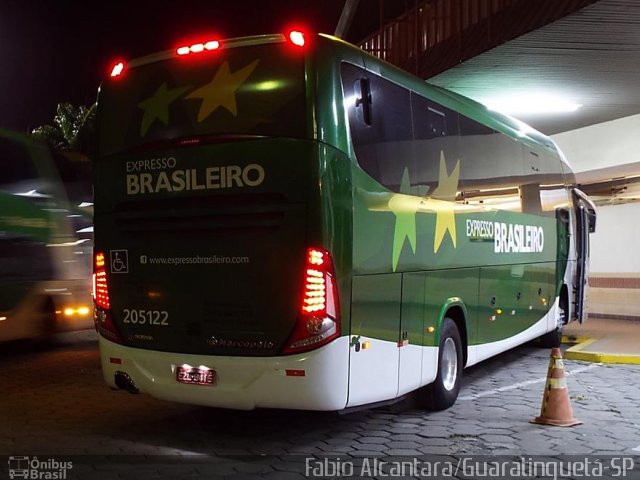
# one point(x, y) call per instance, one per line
point(585, 218)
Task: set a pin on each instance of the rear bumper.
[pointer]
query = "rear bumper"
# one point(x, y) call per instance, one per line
point(243, 383)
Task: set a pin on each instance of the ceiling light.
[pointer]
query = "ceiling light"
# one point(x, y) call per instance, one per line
point(531, 104)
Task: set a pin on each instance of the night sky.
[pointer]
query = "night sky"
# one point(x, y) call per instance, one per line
point(59, 50)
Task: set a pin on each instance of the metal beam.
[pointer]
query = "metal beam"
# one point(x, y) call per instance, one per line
point(346, 17)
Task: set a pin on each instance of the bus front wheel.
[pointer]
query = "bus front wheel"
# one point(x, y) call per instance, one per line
point(554, 337)
point(442, 393)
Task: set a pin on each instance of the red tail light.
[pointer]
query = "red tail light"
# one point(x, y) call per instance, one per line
point(319, 319)
point(100, 287)
point(102, 316)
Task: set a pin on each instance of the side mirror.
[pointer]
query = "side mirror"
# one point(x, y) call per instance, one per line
point(362, 92)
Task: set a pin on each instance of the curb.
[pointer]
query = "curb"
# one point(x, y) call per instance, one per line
point(573, 339)
point(577, 352)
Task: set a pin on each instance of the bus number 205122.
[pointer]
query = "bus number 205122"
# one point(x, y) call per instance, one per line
point(146, 317)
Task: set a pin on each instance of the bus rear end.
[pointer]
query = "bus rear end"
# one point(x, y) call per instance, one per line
point(213, 282)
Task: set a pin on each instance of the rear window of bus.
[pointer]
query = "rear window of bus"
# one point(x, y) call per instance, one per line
point(256, 90)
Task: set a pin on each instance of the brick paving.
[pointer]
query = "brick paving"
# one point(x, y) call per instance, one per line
point(54, 404)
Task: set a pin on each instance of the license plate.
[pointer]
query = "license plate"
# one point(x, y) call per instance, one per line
point(196, 376)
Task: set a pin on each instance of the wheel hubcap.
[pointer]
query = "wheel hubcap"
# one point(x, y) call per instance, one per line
point(449, 364)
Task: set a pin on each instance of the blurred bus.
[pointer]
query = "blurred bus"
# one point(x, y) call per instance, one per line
point(44, 276)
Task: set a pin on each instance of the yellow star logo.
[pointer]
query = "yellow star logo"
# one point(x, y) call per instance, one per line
point(405, 211)
point(412, 200)
point(446, 190)
point(221, 91)
point(157, 106)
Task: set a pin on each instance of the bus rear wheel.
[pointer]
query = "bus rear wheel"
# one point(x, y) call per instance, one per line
point(443, 392)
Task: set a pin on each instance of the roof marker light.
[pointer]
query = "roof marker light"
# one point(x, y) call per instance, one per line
point(198, 47)
point(297, 38)
point(117, 69)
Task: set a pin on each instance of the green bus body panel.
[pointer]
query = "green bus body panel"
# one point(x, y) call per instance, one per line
point(414, 314)
point(375, 219)
point(334, 230)
point(507, 281)
point(402, 306)
point(376, 306)
point(513, 298)
point(226, 264)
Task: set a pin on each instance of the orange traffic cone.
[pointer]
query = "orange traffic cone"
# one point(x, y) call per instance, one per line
point(556, 406)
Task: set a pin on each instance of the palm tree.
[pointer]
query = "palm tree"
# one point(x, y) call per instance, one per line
point(72, 142)
point(73, 129)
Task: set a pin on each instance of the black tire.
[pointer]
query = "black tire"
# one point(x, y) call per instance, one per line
point(550, 339)
point(443, 392)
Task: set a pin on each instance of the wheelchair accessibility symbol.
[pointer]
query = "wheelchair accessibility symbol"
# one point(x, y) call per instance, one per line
point(119, 261)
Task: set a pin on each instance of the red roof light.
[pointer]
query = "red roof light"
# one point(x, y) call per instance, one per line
point(117, 69)
point(297, 38)
point(198, 47)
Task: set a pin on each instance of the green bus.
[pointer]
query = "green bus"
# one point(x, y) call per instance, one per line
point(45, 267)
point(285, 221)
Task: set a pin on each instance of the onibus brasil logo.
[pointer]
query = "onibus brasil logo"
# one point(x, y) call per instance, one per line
point(38, 469)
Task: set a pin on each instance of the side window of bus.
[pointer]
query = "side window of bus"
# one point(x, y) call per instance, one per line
point(542, 190)
point(435, 131)
point(380, 123)
point(491, 167)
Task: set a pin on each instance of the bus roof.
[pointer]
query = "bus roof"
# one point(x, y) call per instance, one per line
point(503, 123)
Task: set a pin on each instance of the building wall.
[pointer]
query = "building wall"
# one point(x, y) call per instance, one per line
point(601, 152)
point(615, 246)
point(615, 262)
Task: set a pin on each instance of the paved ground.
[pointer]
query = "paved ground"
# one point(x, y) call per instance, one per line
point(54, 403)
